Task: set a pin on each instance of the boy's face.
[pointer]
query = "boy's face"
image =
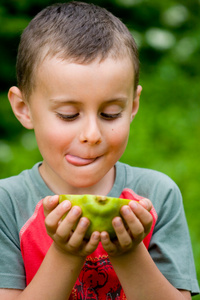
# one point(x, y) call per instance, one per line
point(81, 115)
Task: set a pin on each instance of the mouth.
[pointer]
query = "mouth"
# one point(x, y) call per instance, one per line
point(79, 161)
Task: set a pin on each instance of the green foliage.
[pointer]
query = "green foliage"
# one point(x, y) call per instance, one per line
point(165, 134)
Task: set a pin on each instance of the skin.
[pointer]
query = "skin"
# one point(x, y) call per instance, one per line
point(81, 116)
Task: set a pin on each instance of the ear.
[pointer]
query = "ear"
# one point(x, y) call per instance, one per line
point(20, 107)
point(136, 100)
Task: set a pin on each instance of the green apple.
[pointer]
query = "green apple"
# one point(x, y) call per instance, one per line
point(100, 210)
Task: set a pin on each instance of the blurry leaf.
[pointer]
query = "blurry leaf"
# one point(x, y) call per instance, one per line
point(28, 140)
point(185, 48)
point(175, 15)
point(6, 154)
point(160, 39)
point(12, 25)
point(129, 3)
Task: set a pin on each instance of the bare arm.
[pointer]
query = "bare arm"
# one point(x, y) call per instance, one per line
point(64, 259)
point(141, 279)
point(53, 281)
point(137, 273)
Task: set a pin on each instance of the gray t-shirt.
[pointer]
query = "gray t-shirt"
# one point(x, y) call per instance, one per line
point(170, 246)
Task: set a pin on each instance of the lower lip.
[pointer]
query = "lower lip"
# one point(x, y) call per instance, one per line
point(79, 161)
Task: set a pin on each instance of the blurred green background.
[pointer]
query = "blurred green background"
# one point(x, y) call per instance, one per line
point(166, 132)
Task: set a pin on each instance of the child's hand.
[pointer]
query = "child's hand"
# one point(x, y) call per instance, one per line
point(138, 219)
point(61, 231)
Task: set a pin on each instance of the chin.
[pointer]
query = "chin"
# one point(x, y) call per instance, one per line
point(84, 182)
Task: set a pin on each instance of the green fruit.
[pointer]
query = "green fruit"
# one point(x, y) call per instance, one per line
point(100, 210)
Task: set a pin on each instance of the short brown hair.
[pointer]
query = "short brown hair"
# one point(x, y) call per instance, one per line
point(77, 31)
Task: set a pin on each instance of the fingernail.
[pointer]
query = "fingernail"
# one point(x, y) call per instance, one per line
point(96, 236)
point(66, 204)
point(144, 203)
point(117, 222)
point(52, 199)
point(133, 204)
point(126, 210)
point(104, 236)
point(75, 211)
point(83, 223)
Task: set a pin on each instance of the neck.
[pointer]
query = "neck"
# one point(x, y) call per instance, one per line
point(102, 187)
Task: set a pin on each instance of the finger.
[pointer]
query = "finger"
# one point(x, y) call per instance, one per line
point(77, 237)
point(143, 220)
point(146, 203)
point(52, 219)
point(67, 225)
point(123, 236)
point(134, 224)
point(49, 203)
point(107, 244)
point(92, 243)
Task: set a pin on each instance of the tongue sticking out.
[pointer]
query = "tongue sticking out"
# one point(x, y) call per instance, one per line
point(79, 161)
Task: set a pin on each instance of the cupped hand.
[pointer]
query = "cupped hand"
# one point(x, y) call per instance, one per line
point(138, 222)
point(68, 233)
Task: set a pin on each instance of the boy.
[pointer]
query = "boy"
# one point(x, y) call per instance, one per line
point(78, 89)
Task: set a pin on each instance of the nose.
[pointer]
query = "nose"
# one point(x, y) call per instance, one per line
point(90, 132)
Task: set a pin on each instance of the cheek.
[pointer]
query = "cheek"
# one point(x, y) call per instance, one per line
point(119, 135)
point(52, 138)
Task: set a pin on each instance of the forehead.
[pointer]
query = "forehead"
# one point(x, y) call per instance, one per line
point(110, 69)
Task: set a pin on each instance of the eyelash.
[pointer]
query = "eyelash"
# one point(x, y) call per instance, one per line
point(108, 117)
point(111, 116)
point(68, 117)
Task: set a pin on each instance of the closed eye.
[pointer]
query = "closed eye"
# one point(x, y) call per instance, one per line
point(68, 117)
point(110, 116)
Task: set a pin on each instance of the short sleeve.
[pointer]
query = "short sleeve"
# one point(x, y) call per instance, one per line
point(170, 246)
point(12, 273)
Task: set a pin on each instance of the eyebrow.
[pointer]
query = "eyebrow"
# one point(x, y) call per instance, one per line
point(59, 102)
point(120, 99)
point(68, 102)
point(64, 101)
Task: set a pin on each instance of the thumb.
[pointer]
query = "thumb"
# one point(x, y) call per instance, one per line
point(49, 203)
